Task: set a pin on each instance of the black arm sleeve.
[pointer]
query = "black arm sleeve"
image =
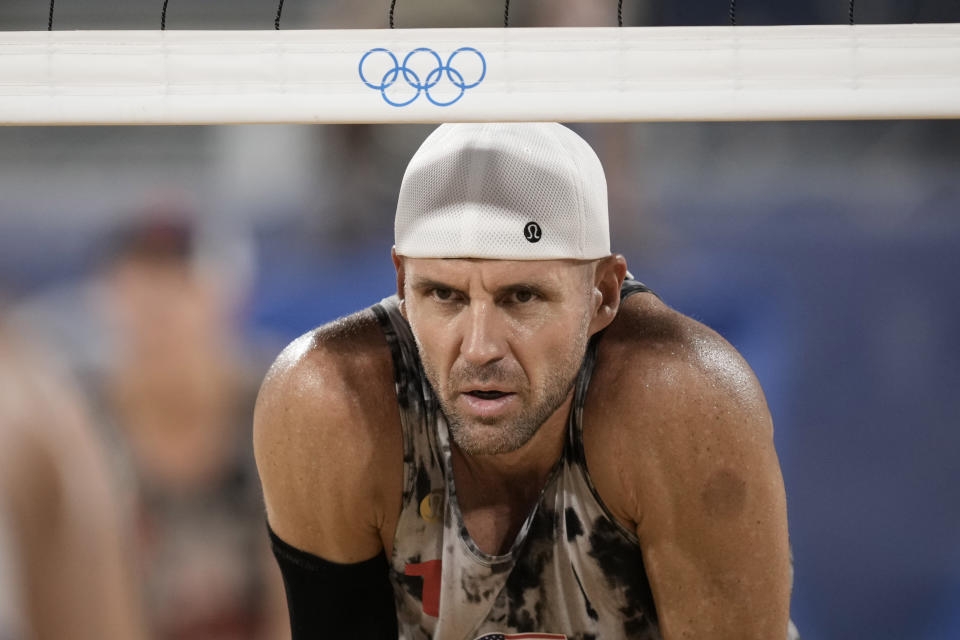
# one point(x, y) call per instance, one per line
point(331, 600)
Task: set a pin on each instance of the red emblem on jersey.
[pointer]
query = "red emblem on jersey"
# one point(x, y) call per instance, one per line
point(430, 571)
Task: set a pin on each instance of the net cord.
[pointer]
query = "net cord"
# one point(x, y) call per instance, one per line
point(595, 74)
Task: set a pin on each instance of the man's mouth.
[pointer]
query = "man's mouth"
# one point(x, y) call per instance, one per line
point(487, 403)
point(487, 395)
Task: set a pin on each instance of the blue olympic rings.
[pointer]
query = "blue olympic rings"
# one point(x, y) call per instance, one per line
point(432, 79)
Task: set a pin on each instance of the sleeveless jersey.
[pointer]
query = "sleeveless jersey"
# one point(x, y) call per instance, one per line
point(573, 570)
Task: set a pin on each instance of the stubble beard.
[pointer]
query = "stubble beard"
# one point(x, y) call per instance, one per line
point(478, 436)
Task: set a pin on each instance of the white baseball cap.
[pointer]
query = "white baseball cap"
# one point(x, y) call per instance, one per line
point(507, 191)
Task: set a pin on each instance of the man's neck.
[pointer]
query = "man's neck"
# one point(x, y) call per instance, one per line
point(497, 492)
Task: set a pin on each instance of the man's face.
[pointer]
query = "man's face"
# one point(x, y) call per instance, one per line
point(501, 341)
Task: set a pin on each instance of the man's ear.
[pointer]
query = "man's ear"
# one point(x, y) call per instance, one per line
point(608, 278)
point(401, 276)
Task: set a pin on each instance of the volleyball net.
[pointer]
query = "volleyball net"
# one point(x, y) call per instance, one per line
point(595, 74)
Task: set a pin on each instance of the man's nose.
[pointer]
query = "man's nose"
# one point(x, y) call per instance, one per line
point(484, 339)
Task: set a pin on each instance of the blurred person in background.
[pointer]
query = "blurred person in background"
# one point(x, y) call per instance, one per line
point(180, 399)
point(65, 569)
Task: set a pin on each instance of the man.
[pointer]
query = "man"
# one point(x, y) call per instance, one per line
point(522, 440)
point(65, 571)
point(175, 391)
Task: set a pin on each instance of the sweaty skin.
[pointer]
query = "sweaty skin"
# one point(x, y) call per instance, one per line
point(677, 435)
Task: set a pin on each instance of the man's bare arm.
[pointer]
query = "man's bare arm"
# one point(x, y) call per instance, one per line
point(701, 484)
point(328, 447)
point(323, 442)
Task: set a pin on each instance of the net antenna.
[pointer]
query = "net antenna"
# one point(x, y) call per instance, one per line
point(596, 74)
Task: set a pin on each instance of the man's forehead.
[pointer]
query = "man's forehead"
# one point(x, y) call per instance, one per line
point(499, 271)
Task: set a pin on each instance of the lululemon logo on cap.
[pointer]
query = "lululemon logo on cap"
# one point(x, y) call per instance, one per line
point(532, 232)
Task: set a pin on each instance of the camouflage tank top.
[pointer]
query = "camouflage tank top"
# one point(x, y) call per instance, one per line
point(573, 570)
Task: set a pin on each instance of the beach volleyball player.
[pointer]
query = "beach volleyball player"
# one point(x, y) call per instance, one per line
point(524, 439)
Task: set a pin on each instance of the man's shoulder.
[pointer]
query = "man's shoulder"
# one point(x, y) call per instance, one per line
point(333, 364)
point(326, 414)
point(670, 406)
point(664, 355)
point(328, 398)
point(674, 389)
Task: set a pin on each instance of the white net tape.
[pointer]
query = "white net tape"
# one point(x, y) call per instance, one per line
point(444, 75)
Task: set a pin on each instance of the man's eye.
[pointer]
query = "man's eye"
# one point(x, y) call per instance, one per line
point(523, 295)
point(442, 294)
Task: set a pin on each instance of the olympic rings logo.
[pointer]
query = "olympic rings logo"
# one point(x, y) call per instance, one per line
point(423, 71)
